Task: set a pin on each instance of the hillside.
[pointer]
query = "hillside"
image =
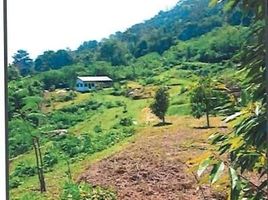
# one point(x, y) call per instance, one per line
point(107, 143)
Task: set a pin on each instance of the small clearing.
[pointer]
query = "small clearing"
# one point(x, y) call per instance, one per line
point(153, 166)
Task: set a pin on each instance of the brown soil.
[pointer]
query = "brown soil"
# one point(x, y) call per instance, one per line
point(153, 166)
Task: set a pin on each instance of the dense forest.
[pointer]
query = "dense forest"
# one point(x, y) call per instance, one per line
point(200, 59)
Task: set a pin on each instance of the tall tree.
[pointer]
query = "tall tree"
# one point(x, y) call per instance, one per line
point(202, 99)
point(53, 60)
point(161, 102)
point(23, 62)
point(88, 46)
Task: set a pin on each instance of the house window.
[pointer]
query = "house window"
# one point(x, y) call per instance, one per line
point(77, 85)
point(81, 85)
point(85, 85)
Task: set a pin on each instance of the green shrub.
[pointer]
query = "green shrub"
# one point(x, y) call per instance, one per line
point(70, 109)
point(14, 182)
point(128, 131)
point(110, 104)
point(90, 105)
point(119, 103)
point(98, 129)
point(85, 191)
point(118, 90)
point(64, 120)
point(71, 145)
point(126, 121)
point(23, 170)
point(149, 80)
point(50, 159)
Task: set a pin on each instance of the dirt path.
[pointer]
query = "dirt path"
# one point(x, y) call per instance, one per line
point(152, 167)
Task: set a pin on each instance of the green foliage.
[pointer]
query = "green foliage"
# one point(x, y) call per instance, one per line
point(70, 145)
point(22, 170)
point(13, 73)
point(201, 99)
point(205, 98)
point(23, 62)
point(52, 79)
point(23, 93)
point(50, 158)
point(74, 146)
point(110, 104)
point(64, 120)
point(85, 191)
point(19, 137)
point(68, 97)
point(216, 46)
point(126, 121)
point(97, 129)
point(52, 60)
point(161, 102)
point(246, 145)
point(115, 52)
point(88, 46)
point(14, 182)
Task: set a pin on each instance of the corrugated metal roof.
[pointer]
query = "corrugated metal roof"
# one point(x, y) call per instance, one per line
point(94, 78)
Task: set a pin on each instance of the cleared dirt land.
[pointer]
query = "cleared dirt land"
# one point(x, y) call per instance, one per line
point(159, 164)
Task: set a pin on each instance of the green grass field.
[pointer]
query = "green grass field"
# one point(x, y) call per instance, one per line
point(106, 118)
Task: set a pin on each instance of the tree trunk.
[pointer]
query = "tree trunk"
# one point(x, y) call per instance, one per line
point(163, 120)
point(42, 180)
point(69, 171)
point(37, 162)
point(207, 115)
point(207, 112)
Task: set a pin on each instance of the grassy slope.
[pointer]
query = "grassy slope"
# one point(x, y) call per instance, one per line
point(106, 118)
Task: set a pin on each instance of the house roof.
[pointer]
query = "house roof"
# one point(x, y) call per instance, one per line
point(94, 78)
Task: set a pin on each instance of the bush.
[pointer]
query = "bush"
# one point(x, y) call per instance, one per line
point(50, 159)
point(126, 121)
point(97, 129)
point(128, 131)
point(70, 109)
point(85, 192)
point(14, 182)
point(71, 146)
point(65, 120)
point(119, 103)
point(90, 105)
point(149, 80)
point(23, 170)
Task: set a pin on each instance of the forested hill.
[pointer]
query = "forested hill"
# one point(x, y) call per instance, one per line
point(188, 20)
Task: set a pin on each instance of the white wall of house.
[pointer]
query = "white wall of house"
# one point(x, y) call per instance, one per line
point(82, 86)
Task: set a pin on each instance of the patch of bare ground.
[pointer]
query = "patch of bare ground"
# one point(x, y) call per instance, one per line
point(153, 167)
